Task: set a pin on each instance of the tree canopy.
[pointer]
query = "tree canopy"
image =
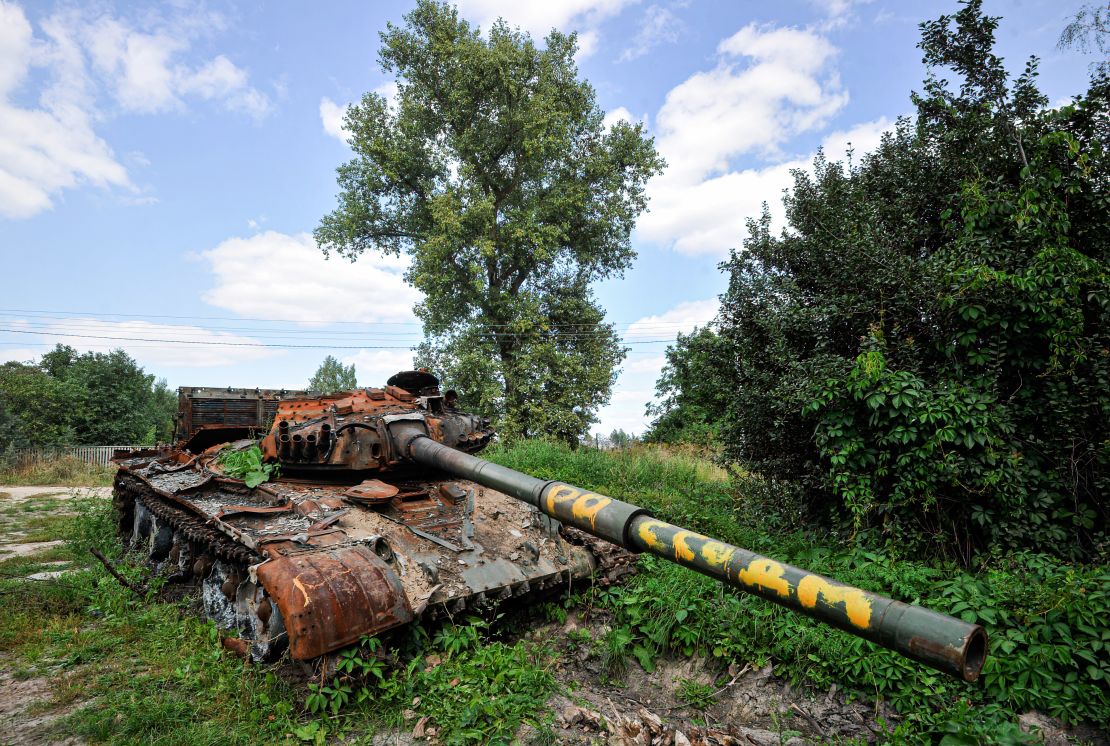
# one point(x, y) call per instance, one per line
point(333, 376)
point(926, 347)
point(92, 398)
point(494, 172)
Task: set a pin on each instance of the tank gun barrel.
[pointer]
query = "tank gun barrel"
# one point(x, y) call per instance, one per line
point(937, 640)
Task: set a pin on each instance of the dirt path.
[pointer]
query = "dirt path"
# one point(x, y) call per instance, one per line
point(26, 711)
point(23, 507)
point(10, 494)
point(740, 705)
point(23, 712)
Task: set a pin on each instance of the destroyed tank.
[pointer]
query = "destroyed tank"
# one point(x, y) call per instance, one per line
point(379, 516)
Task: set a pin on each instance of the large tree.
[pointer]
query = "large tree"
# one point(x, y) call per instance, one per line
point(493, 171)
point(83, 399)
point(693, 390)
point(333, 376)
point(926, 348)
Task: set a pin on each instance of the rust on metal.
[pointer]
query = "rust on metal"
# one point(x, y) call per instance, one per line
point(332, 597)
point(371, 491)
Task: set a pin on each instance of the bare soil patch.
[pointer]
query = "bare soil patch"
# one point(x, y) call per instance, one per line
point(26, 712)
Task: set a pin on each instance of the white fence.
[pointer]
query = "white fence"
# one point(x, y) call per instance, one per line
point(101, 455)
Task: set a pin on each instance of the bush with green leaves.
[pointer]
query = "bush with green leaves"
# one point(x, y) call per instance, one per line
point(469, 688)
point(925, 350)
point(90, 398)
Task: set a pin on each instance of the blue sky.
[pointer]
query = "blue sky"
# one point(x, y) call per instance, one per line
point(162, 166)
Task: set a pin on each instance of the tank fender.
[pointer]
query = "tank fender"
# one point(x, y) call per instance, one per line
point(330, 597)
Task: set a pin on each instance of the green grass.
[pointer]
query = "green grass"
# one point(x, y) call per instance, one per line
point(39, 503)
point(35, 562)
point(65, 471)
point(149, 671)
point(1049, 622)
point(37, 527)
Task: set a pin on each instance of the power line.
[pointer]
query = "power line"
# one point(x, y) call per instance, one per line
point(48, 313)
point(255, 344)
point(108, 346)
point(95, 325)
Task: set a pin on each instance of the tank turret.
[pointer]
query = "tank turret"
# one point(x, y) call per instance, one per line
point(382, 516)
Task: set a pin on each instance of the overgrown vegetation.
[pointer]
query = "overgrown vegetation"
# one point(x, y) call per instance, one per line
point(150, 670)
point(925, 351)
point(247, 464)
point(62, 471)
point(91, 398)
point(1047, 619)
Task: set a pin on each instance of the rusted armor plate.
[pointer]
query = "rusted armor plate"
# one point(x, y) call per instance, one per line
point(372, 491)
point(331, 597)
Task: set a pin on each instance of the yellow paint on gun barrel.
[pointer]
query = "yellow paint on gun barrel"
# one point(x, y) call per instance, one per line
point(682, 550)
point(717, 554)
point(586, 507)
point(856, 603)
point(766, 573)
point(649, 537)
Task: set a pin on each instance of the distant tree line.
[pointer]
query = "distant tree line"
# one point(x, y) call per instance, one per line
point(924, 353)
point(91, 398)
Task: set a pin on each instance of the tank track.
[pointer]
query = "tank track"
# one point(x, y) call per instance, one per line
point(189, 526)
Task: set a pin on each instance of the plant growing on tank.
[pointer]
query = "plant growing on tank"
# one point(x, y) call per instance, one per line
point(247, 464)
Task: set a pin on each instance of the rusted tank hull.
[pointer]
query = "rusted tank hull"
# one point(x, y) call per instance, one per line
point(309, 568)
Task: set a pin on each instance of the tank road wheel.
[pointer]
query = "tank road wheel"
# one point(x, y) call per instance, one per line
point(232, 601)
point(151, 535)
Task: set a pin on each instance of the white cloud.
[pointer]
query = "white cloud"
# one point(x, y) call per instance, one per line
point(652, 365)
point(19, 355)
point(625, 411)
point(331, 116)
point(15, 47)
point(682, 318)
point(769, 85)
point(48, 149)
point(711, 216)
point(145, 72)
point(635, 387)
point(538, 18)
point(280, 276)
point(168, 345)
point(659, 25)
point(389, 89)
point(618, 114)
point(838, 13)
point(220, 79)
point(374, 367)
point(51, 146)
point(862, 138)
